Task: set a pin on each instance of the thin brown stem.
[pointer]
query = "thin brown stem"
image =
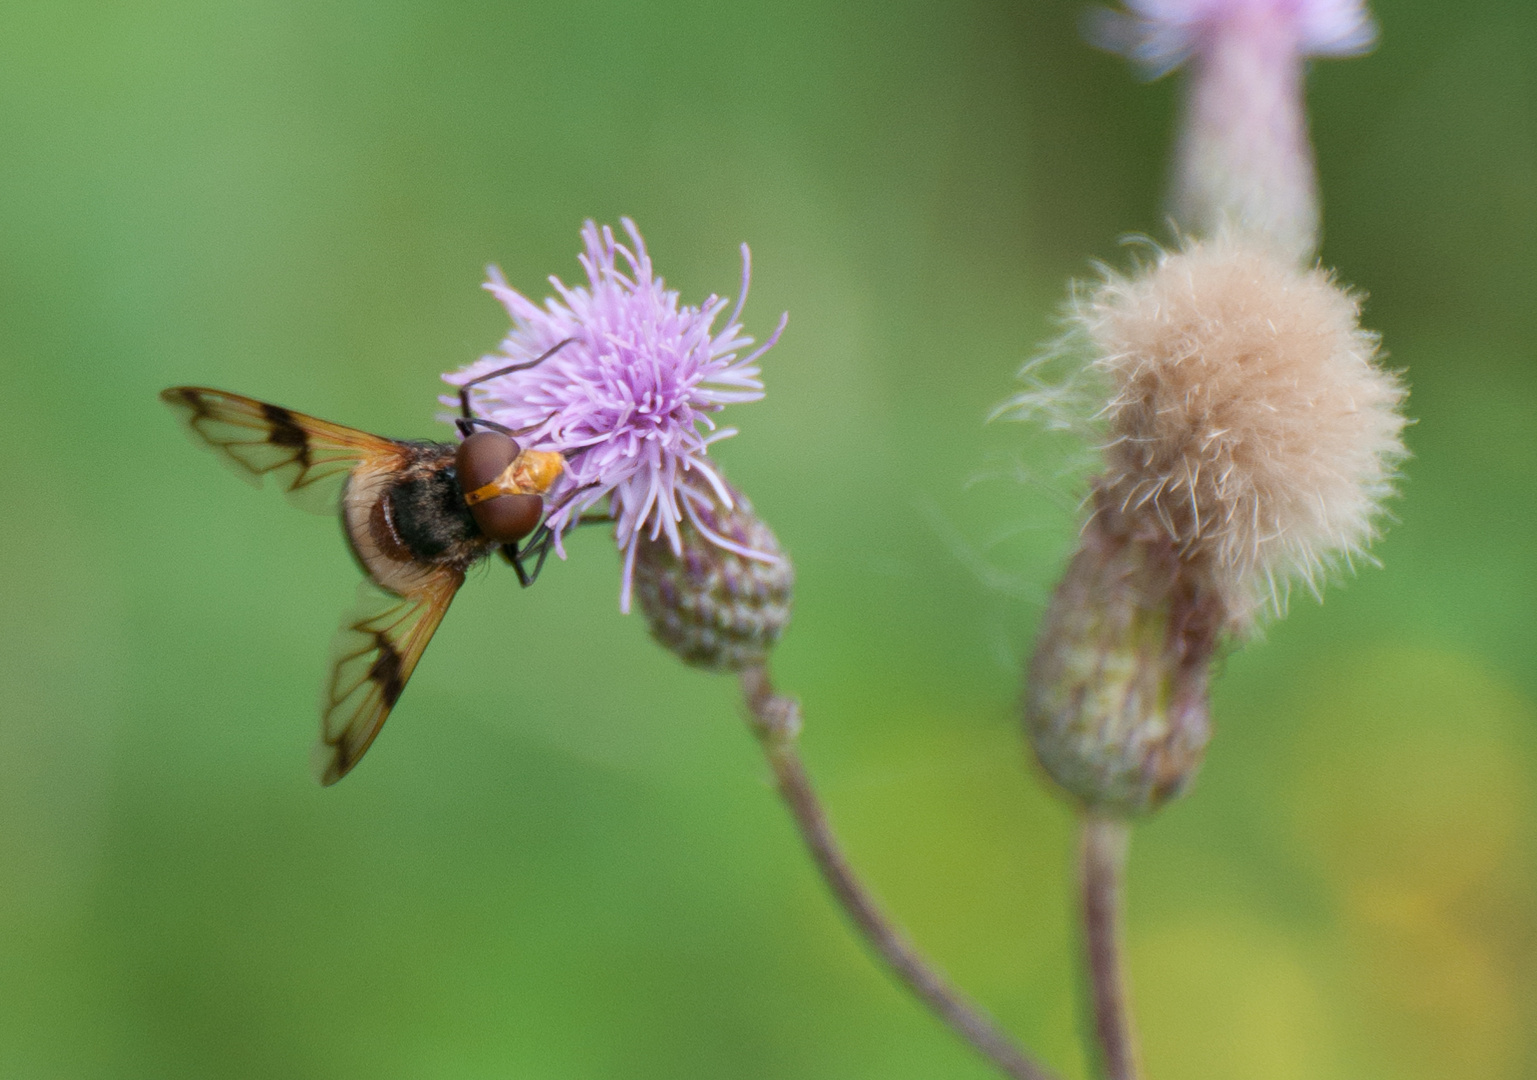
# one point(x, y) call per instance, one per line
point(1101, 868)
point(776, 722)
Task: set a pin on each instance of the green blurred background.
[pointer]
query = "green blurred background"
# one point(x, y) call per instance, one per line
point(562, 859)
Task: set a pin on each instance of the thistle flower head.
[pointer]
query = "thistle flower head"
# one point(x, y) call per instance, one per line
point(1247, 438)
point(1242, 412)
point(631, 400)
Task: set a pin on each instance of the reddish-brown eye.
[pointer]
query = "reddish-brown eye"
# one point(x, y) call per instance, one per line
point(480, 459)
point(508, 518)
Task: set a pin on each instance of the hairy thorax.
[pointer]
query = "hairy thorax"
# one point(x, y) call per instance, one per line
point(407, 519)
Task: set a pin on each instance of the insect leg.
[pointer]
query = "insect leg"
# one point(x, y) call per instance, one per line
point(467, 425)
point(537, 545)
point(464, 391)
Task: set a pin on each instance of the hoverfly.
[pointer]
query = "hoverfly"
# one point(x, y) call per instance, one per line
point(416, 516)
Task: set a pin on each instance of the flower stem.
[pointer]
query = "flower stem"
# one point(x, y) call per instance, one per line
point(776, 722)
point(1102, 863)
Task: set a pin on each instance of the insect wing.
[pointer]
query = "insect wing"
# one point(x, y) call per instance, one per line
point(309, 457)
point(374, 653)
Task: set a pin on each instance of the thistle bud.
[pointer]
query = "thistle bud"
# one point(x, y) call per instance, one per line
point(722, 601)
point(1116, 705)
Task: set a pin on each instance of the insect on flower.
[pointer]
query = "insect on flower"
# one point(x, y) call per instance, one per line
point(416, 515)
point(632, 402)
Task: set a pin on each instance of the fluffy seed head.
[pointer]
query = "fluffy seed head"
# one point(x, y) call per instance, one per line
point(1241, 408)
point(630, 401)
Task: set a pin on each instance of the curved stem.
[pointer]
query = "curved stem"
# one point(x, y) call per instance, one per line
point(776, 722)
point(1102, 863)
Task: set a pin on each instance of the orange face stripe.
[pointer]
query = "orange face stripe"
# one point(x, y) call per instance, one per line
point(532, 472)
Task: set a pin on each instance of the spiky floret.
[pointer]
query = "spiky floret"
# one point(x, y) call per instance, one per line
point(1239, 406)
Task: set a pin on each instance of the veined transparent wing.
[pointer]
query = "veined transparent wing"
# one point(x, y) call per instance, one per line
point(309, 457)
point(373, 656)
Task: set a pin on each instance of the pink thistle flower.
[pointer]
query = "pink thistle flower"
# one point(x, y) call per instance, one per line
point(1161, 34)
point(630, 401)
point(1243, 159)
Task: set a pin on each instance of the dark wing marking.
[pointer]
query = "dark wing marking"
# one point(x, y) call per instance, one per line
point(310, 457)
point(374, 653)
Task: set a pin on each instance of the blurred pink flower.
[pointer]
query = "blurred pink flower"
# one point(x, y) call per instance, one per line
point(630, 401)
point(1161, 34)
point(1243, 159)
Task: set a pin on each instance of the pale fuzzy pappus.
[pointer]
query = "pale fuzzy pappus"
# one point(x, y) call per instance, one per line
point(1242, 410)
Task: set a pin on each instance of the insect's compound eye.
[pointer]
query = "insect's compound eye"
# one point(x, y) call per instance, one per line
point(481, 458)
point(508, 518)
